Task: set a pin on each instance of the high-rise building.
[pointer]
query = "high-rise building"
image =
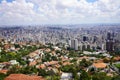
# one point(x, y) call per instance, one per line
point(117, 42)
point(103, 46)
point(110, 35)
point(73, 44)
point(94, 39)
point(76, 44)
point(110, 45)
point(69, 42)
point(85, 38)
point(110, 42)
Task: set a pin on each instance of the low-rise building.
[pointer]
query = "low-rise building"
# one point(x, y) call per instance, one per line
point(66, 76)
point(99, 65)
point(23, 77)
point(13, 62)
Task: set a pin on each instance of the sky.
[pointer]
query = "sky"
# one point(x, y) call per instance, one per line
point(36, 12)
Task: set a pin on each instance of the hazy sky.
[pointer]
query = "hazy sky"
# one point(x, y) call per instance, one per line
point(26, 12)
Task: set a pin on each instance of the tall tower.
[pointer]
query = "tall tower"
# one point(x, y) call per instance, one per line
point(110, 42)
point(85, 38)
point(76, 44)
point(69, 42)
point(73, 44)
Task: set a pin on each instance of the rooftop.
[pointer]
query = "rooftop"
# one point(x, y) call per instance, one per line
point(4, 71)
point(99, 65)
point(23, 77)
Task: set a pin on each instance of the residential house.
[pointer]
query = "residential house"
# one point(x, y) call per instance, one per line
point(99, 65)
point(23, 77)
point(66, 76)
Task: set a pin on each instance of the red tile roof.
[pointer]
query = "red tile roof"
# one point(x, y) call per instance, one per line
point(117, 58)
point(99, 65)
point(23, 77)
point(66, 63)
point(53, 62)
point(7, 46)
point(42, 66)
point(32, 63)
point(4, 71)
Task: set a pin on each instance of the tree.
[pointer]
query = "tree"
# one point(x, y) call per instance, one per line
point(85, 76)
point(17, 45)
point(111, 60)
point(101, 75)
point(67, 68)
point(54, 58)
point(2, 76)
point(53, 77)
point(14, 69)
point(20, 60)
point(23, 70)
point(47, 57)
point(71, 69)
point(73, 60)
point(105, 60)
point(84, 63)
point(28, 70)
point(42, 72)
point(73, 54)
point(116, 78)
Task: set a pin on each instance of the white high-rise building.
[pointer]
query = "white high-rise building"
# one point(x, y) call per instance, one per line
point(76, 44)
point(73, 44)
point(69, 42)
point(103, 47)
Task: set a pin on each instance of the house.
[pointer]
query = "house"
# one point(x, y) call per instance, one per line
point(42, 66)
point(55, 70)
point(57, 66)
point(66, 76)
point(13, 62)
point(57, 48)
point(36, 54)
point(32, 63)
point(4, 71)
point(12, 48)
point(7, 46)
point(117, 58)
point(30, 60)
point(32, 55)
point(100, 65)
point(67, 63)
point(47, 50)
point(64, 58)
point(23, 77)
point(3, 65)
point(51, 63)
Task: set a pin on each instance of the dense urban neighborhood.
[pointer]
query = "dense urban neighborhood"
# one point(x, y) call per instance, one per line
point(61, 55)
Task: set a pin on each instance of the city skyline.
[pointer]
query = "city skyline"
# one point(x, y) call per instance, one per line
point(29, 12)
